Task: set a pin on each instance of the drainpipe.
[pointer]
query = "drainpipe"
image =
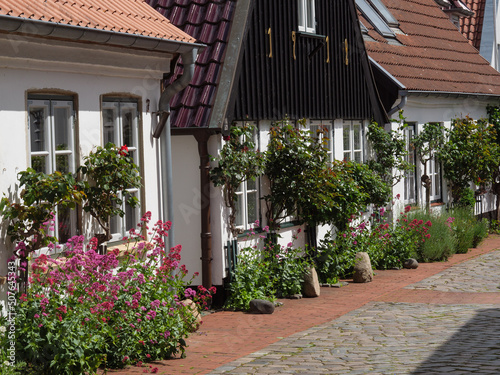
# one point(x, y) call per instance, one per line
point(400, 105)
point(188, 60)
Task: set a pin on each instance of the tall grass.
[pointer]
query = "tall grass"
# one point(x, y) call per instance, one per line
point(441, 244)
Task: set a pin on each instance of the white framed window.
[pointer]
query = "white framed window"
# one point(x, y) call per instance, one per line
point(410, 184)
point(352, 133)
point(323, 130)
point(52, 148)
point(247, 205)
point(307, 21)
point(434, 172)
point(120, 118)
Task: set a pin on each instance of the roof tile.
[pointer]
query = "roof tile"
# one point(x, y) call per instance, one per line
point(209, 21)
point(124, 16)
point(472, 26)
point(433, 55)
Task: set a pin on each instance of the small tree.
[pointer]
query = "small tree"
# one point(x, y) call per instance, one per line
point(494, 119)
point(107, 173)
point(471, 154)
point(390, 149)
point(238, 162)
point(303, 181)
point(29, 220)
point(427, 144)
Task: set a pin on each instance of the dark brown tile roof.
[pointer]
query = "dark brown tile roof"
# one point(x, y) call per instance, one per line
point(208, 21)
point(472, 26)
point(123, 16)
point(433, 55)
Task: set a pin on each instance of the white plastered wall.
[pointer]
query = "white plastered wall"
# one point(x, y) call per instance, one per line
point(88, 72)
point(422, 109)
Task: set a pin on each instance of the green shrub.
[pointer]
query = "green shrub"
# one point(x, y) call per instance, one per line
point(388, 247)
point(463, 225)
point(275, 271)
point(92, 310)
point(251, 281)
point(440, 244)
point(481, 229)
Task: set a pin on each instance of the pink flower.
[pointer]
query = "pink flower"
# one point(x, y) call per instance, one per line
point(407, 208)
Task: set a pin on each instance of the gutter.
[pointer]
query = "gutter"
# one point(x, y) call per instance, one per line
point(39, 28)
point(451, 93)
point(400, 105)
point(188, 60)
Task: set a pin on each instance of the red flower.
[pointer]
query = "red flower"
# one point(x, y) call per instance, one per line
point(123, 150)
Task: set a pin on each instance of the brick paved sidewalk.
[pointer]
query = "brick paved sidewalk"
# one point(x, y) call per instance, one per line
point(227, 336)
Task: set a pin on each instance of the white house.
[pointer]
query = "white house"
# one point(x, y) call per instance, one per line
point(72, 78)
point(424, 66)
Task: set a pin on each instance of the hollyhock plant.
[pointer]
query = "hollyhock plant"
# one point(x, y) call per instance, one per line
point(107, 310)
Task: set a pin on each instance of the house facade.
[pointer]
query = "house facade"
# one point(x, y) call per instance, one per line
point(425, 67)
point(77, 81)
point(265, 61)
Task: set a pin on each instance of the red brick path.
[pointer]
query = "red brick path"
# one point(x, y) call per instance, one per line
point(226, 336)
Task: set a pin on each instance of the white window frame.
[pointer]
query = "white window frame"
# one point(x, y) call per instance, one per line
point(353, 144)
point(410, 182)
point(324, 131)
point(434, 173)
point(120, 106)
point(44, 131)
point(247, 189)
point(307, 16)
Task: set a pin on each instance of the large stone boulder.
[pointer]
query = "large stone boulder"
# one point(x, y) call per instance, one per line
point(261, 306)
point(363, 272)
point(310, 286)
point(192, 309)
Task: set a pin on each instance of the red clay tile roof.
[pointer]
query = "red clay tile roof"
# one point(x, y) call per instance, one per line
point(434, 55)
point(472, 26)
point(209, 21)
point(122, 16)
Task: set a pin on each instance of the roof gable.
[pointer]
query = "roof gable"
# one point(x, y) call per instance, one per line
point(134, 17)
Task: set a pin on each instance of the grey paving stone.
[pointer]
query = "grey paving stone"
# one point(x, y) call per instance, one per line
point(397, 338)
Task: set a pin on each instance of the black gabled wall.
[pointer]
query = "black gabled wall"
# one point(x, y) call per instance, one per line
point(272, 88)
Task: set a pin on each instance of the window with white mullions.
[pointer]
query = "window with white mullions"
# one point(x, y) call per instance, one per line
point(323, 130)
point(247, 205)
point(52, 148)
point(434, 172)
point(307, 21)
point(120, 127)
point(410, 185)
point(352, 133)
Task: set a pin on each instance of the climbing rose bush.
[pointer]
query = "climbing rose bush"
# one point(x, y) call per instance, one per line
point(86, 310)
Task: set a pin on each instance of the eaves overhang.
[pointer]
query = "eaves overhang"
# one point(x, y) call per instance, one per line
point(24, 26)
point(449, 94)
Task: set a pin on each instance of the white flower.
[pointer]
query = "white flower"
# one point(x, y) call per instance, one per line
point(6, 363)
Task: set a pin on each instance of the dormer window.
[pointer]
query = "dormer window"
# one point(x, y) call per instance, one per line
point(306, 16)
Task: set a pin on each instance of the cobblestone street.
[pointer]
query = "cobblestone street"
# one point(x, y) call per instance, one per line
point(398, 338)
point(442, 318)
